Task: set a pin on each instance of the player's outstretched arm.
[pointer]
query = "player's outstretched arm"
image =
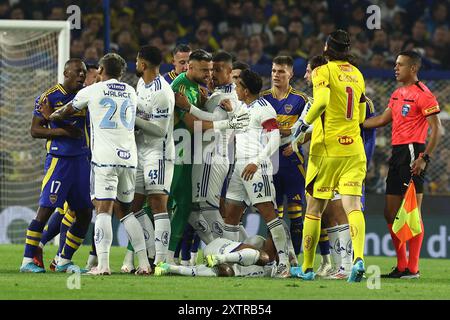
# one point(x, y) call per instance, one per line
point(378, 121)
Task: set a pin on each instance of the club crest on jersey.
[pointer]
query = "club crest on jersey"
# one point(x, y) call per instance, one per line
point(123, 154)
point(345, 140)
point(405, 109)
point(53, 198)
point(288, 108)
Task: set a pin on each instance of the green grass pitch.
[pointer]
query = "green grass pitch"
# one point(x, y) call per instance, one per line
point(433, 284)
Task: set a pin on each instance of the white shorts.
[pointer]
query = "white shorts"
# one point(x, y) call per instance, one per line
point(154, 176)
point(220, 246)
point(259, 189)
point(207, 180)
point(114, 182)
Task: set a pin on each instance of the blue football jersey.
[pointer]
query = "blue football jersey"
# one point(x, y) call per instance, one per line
point(65, 146)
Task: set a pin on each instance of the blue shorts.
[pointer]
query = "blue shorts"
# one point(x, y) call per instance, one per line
point(290, 181)
point(66, 179)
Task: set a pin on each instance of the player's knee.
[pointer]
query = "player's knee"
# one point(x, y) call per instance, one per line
point(263, 258)
point(225, 270)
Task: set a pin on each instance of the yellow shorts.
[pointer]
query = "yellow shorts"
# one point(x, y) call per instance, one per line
point(342, 174)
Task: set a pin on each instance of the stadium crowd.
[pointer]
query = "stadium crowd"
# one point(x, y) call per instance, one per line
point(253, 31)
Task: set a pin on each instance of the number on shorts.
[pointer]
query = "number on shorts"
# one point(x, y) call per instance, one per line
point(54, 187)
point(107, 123)
point(349, 114)
point(153, 174)
point(257, 187)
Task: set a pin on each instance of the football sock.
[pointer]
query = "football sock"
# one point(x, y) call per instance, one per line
point(345, 241)
point(358, 233)
point(103, 239)
point(200, 225)
point(186, 243)
point(65, 225)
point(231, 232)
point(400, 249)
point(415, 244)
point(33, 237)
point(324, 243)
point(200, 270)
point(136, 236)
point(74, 238)
point(311, 235)
point(288, 239)
point(335, 247)
point(52, 227)
point(244, 257)
point(279, 238)
point(242, 232)
point(296, 228)
point(162, 236)
point(128, 260)
point(214, 220)
point(149, 232)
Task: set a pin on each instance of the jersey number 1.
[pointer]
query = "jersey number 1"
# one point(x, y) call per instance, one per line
point(349, 114)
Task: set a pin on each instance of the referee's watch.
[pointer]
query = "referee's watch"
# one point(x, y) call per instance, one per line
point(425, 157)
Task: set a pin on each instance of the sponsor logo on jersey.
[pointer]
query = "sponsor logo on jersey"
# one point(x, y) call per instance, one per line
point(345, 67)
point(53, 198)
point(347, 78)
point(288, 108)
point(345, 140)
point(159, 111)
point(405, 109)
point(123, 154)
point(116, 86)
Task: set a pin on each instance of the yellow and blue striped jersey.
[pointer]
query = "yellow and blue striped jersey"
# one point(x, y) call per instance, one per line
point(65, 146)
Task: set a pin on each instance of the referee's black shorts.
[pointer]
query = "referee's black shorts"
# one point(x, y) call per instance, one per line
point(400, 164)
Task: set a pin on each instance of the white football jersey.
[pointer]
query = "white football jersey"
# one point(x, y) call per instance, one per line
point(251, 140)
point(222, 137)
point(156, 103)
point(112, 111)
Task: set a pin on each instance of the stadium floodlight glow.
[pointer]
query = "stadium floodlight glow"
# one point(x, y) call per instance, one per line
point(61, 27)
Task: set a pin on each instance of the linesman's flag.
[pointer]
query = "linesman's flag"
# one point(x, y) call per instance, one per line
point(407, 223)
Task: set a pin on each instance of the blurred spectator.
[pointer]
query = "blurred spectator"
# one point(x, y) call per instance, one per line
point(127, 48)
point(279, 16)
point(418, 36)
point(57, 13)
point(233, 17)
point(294, 47)
point(146, 31)
point(257, 54)
point(296, 26)
point(279, 41)
point(389, 9)
point(441, 42)
point(228, 43)
point(90, 55)
point(203, 38)
point(4, 9)
point(17, 12)
point(243, 54)
point(377, 61)
point(380, 42)
point(362, 50)
point(438, 16)
point(77, 49)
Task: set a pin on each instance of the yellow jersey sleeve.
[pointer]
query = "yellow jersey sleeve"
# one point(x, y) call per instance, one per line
point(338, 132)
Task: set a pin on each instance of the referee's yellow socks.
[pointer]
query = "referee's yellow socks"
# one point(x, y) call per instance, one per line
point(358, 233)
point(311, 235)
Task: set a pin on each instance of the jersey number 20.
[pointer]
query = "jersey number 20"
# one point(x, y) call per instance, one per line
point(107, 123)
